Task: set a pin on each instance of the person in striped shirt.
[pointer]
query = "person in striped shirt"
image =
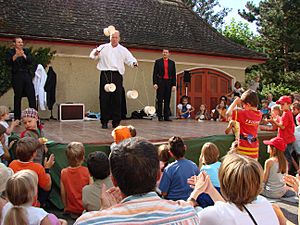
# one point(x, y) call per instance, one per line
point(135, 170)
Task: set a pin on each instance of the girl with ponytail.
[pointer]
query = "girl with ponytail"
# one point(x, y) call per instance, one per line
point(21, 190)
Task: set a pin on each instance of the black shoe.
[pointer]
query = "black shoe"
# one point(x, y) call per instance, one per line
point(160, 119)
point(104, 126)
point(167, 119)
point(115, 124)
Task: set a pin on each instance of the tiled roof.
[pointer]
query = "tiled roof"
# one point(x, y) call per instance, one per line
point(150, 24)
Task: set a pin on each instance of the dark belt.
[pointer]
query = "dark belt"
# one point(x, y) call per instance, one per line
point(250, 140)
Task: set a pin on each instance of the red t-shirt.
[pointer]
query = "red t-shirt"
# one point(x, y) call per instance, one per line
point(166, 69)
point(74, 179)
point(249, 121)
point(287, 134)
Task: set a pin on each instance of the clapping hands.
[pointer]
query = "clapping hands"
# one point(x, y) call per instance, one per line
point(200, 183)
point(110, 197)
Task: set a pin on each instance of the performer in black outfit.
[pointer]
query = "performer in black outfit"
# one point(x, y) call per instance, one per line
point(112, 57)
point(19, 59)
point(164, 81)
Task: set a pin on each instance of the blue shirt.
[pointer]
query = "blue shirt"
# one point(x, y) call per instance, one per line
point(212, 170)
point(174, 179)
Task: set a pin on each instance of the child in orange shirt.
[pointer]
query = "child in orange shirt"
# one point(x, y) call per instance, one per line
point(73, 179)
point(26, 150)
point(248, 118)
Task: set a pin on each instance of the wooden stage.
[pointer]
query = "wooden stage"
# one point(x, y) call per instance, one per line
point(90, 132)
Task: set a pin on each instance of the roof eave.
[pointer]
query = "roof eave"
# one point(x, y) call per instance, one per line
point(66, 41)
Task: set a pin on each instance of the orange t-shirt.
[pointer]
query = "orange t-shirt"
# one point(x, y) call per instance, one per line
point(43, 178)
point(249, 121)
point(74, 179)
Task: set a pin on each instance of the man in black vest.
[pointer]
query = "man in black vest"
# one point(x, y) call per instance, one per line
point(19, 59)
point(164, 81)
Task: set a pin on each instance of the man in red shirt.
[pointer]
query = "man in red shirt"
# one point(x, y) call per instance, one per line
point(248, 118)
point(164, 81)
point(286, 127)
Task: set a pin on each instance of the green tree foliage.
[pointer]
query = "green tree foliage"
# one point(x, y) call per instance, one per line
point(207, 9)
point(240, 33)
point(40, 56)
point(5, 73)
point(279, 28)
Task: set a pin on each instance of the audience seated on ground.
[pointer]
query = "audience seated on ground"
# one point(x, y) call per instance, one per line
point(274, 170)
point(98, 165)
point(202, 114)
point(208, 162)
point(173, 184)
point(241, 182)
point(26, 151)
point(73, 179)
point(184, 108)
point(219, 113)
point(135, 170)
point(21, 191)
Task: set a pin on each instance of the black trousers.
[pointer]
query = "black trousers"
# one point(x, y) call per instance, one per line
point(22, 86)
point(123, 105)
point(163, 94)
point(110, 102)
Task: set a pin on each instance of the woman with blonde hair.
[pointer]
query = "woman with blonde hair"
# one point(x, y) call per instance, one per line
point(241, 182)
point(21, 191)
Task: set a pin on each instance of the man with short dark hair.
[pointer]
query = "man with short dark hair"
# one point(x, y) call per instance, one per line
point(164, 81)
point(20, 59)
point(135, 170)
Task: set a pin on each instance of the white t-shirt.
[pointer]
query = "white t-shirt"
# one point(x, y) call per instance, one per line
point(5, 124)
point(113, 58)
point(35, 215)
point(180, 106)
point(228, 214)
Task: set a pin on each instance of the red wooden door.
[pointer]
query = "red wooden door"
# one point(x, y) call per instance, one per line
point(206, 87)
